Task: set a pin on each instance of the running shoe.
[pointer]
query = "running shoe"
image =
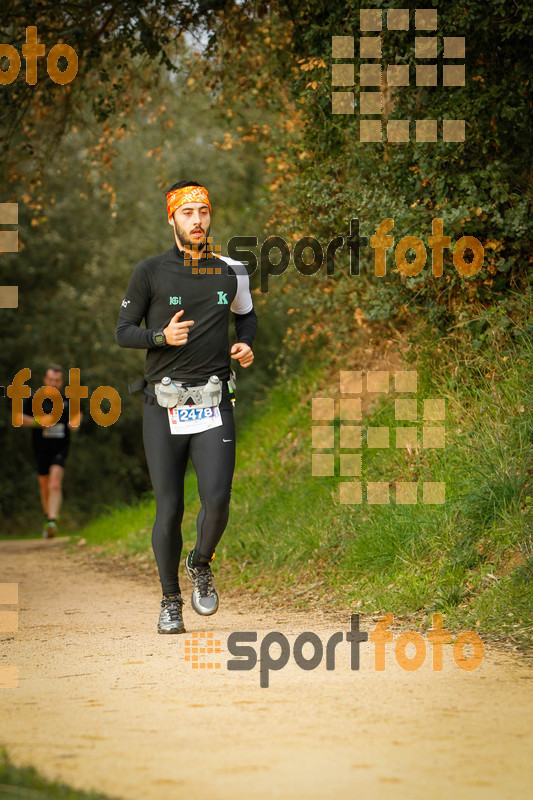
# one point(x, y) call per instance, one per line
point(170, 616)
point(49, 530)
point(204, 598)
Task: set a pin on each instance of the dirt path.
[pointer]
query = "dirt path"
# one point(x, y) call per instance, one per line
point(104, 702)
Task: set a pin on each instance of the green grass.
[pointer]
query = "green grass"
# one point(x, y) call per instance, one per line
point(25, 783)
point(122, 529)
point(469, 558)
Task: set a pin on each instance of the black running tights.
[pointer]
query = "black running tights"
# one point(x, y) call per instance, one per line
point(212, 454)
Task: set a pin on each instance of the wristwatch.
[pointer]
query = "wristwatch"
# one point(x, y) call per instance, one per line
point(158, 338)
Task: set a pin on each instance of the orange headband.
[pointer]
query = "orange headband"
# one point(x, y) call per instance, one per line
point(189, 194)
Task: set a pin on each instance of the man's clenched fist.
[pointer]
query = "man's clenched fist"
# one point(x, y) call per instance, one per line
point(243, 353)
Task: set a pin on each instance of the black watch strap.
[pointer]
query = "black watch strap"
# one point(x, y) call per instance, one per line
point(158, 338)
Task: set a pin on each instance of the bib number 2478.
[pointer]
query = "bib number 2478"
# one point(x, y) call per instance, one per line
point(191, 419)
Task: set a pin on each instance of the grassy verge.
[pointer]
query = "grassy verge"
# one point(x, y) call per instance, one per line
point(470, 557)
point(25, 783)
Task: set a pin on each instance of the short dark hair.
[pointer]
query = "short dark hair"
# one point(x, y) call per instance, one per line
point(182, 185)
point(55, 368)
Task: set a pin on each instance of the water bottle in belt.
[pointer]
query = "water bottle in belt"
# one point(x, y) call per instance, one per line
point(212, 391)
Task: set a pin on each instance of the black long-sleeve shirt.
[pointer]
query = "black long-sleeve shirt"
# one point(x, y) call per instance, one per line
point(161, 286)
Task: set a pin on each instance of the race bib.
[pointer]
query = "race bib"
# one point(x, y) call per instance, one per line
point(55, 431)
point(192, 419)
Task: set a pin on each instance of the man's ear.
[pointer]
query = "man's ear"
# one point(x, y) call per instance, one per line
point(171, 221)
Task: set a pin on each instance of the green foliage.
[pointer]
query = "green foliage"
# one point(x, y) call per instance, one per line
point(26, 783)
point(117, 45)
point(479, 188)
point(128, 128)
point(80, 235)
point(470, 558)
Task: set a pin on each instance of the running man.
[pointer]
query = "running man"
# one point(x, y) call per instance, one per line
point(188, 409)
point(50, 446)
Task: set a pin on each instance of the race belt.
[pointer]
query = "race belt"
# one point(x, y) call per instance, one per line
point(171, 393)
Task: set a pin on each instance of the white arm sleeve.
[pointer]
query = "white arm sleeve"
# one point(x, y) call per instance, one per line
point(242, 302)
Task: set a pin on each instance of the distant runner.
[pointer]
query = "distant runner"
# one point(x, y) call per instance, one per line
point(50, 446)
point(188, 390)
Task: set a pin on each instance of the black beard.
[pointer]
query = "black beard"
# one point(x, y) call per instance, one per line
point(188, 243)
